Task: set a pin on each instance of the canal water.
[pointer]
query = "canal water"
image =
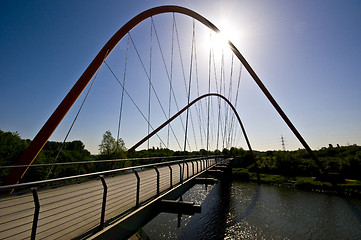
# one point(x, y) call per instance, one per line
point(240, 210)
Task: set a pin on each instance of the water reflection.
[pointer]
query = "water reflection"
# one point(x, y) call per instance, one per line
point(356, 209)
point(282, 213)
point(240, 210)
point(211, 223)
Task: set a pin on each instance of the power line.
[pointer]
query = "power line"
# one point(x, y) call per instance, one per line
point(283, 143)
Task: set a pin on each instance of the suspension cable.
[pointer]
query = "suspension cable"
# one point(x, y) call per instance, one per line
point(230, 99)
point(219, 103)
point(169, 76)
point(236, 99)
point(188, 100)
point(182, 65)
point(126, 92)
point(170, 79)
point(198, 106)
point(155, 93)
point(150, 77)
point(209, 90)
point(223, 81)
point(191, 68)
point(72, 124)
point(122, 97)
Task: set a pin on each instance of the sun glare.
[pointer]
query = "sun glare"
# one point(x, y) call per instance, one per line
point(219, 41)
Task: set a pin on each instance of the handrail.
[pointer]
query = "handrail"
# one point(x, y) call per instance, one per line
point(38, 183)
point(93, 161)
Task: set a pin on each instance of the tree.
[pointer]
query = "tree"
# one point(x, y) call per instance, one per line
point(11, 148)
point(110, 148)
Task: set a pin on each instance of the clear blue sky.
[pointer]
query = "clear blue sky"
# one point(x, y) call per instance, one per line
point(307, 53)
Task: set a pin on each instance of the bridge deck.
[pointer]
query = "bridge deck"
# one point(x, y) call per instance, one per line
point(72, 210)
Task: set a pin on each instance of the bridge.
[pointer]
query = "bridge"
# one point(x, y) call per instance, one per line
point(115, 203)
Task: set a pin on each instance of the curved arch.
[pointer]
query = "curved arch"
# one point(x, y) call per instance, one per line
point(49, 127)
point(188, 106)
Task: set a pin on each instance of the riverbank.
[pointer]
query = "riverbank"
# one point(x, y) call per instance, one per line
point(351, 187)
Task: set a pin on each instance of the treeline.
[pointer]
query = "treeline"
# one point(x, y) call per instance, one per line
point(165, 152)
point(345, 160)
point(12, 147)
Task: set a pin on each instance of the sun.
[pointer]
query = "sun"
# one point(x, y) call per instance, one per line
point(220, 40)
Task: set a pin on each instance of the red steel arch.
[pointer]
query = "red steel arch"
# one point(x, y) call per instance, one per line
point(49, 127)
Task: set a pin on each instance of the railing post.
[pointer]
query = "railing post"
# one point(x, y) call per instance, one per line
point(192, 167)
point(36, 213)
point(105, 191)
point(180, 175)
point(187, 170)
point(197, 167)
point(138, 188)
point(171, 176)
point(156, 169)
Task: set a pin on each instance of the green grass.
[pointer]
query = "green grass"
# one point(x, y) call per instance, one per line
point(241, 174)
point(351, 187)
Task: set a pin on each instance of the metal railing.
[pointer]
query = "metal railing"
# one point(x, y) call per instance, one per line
point(61, 169)
point(75, 209)
point(96, 161)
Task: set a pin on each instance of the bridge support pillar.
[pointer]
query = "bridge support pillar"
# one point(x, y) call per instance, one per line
point(180, 207)
point(205, 181)
point(217, 173)
point(221, 167)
